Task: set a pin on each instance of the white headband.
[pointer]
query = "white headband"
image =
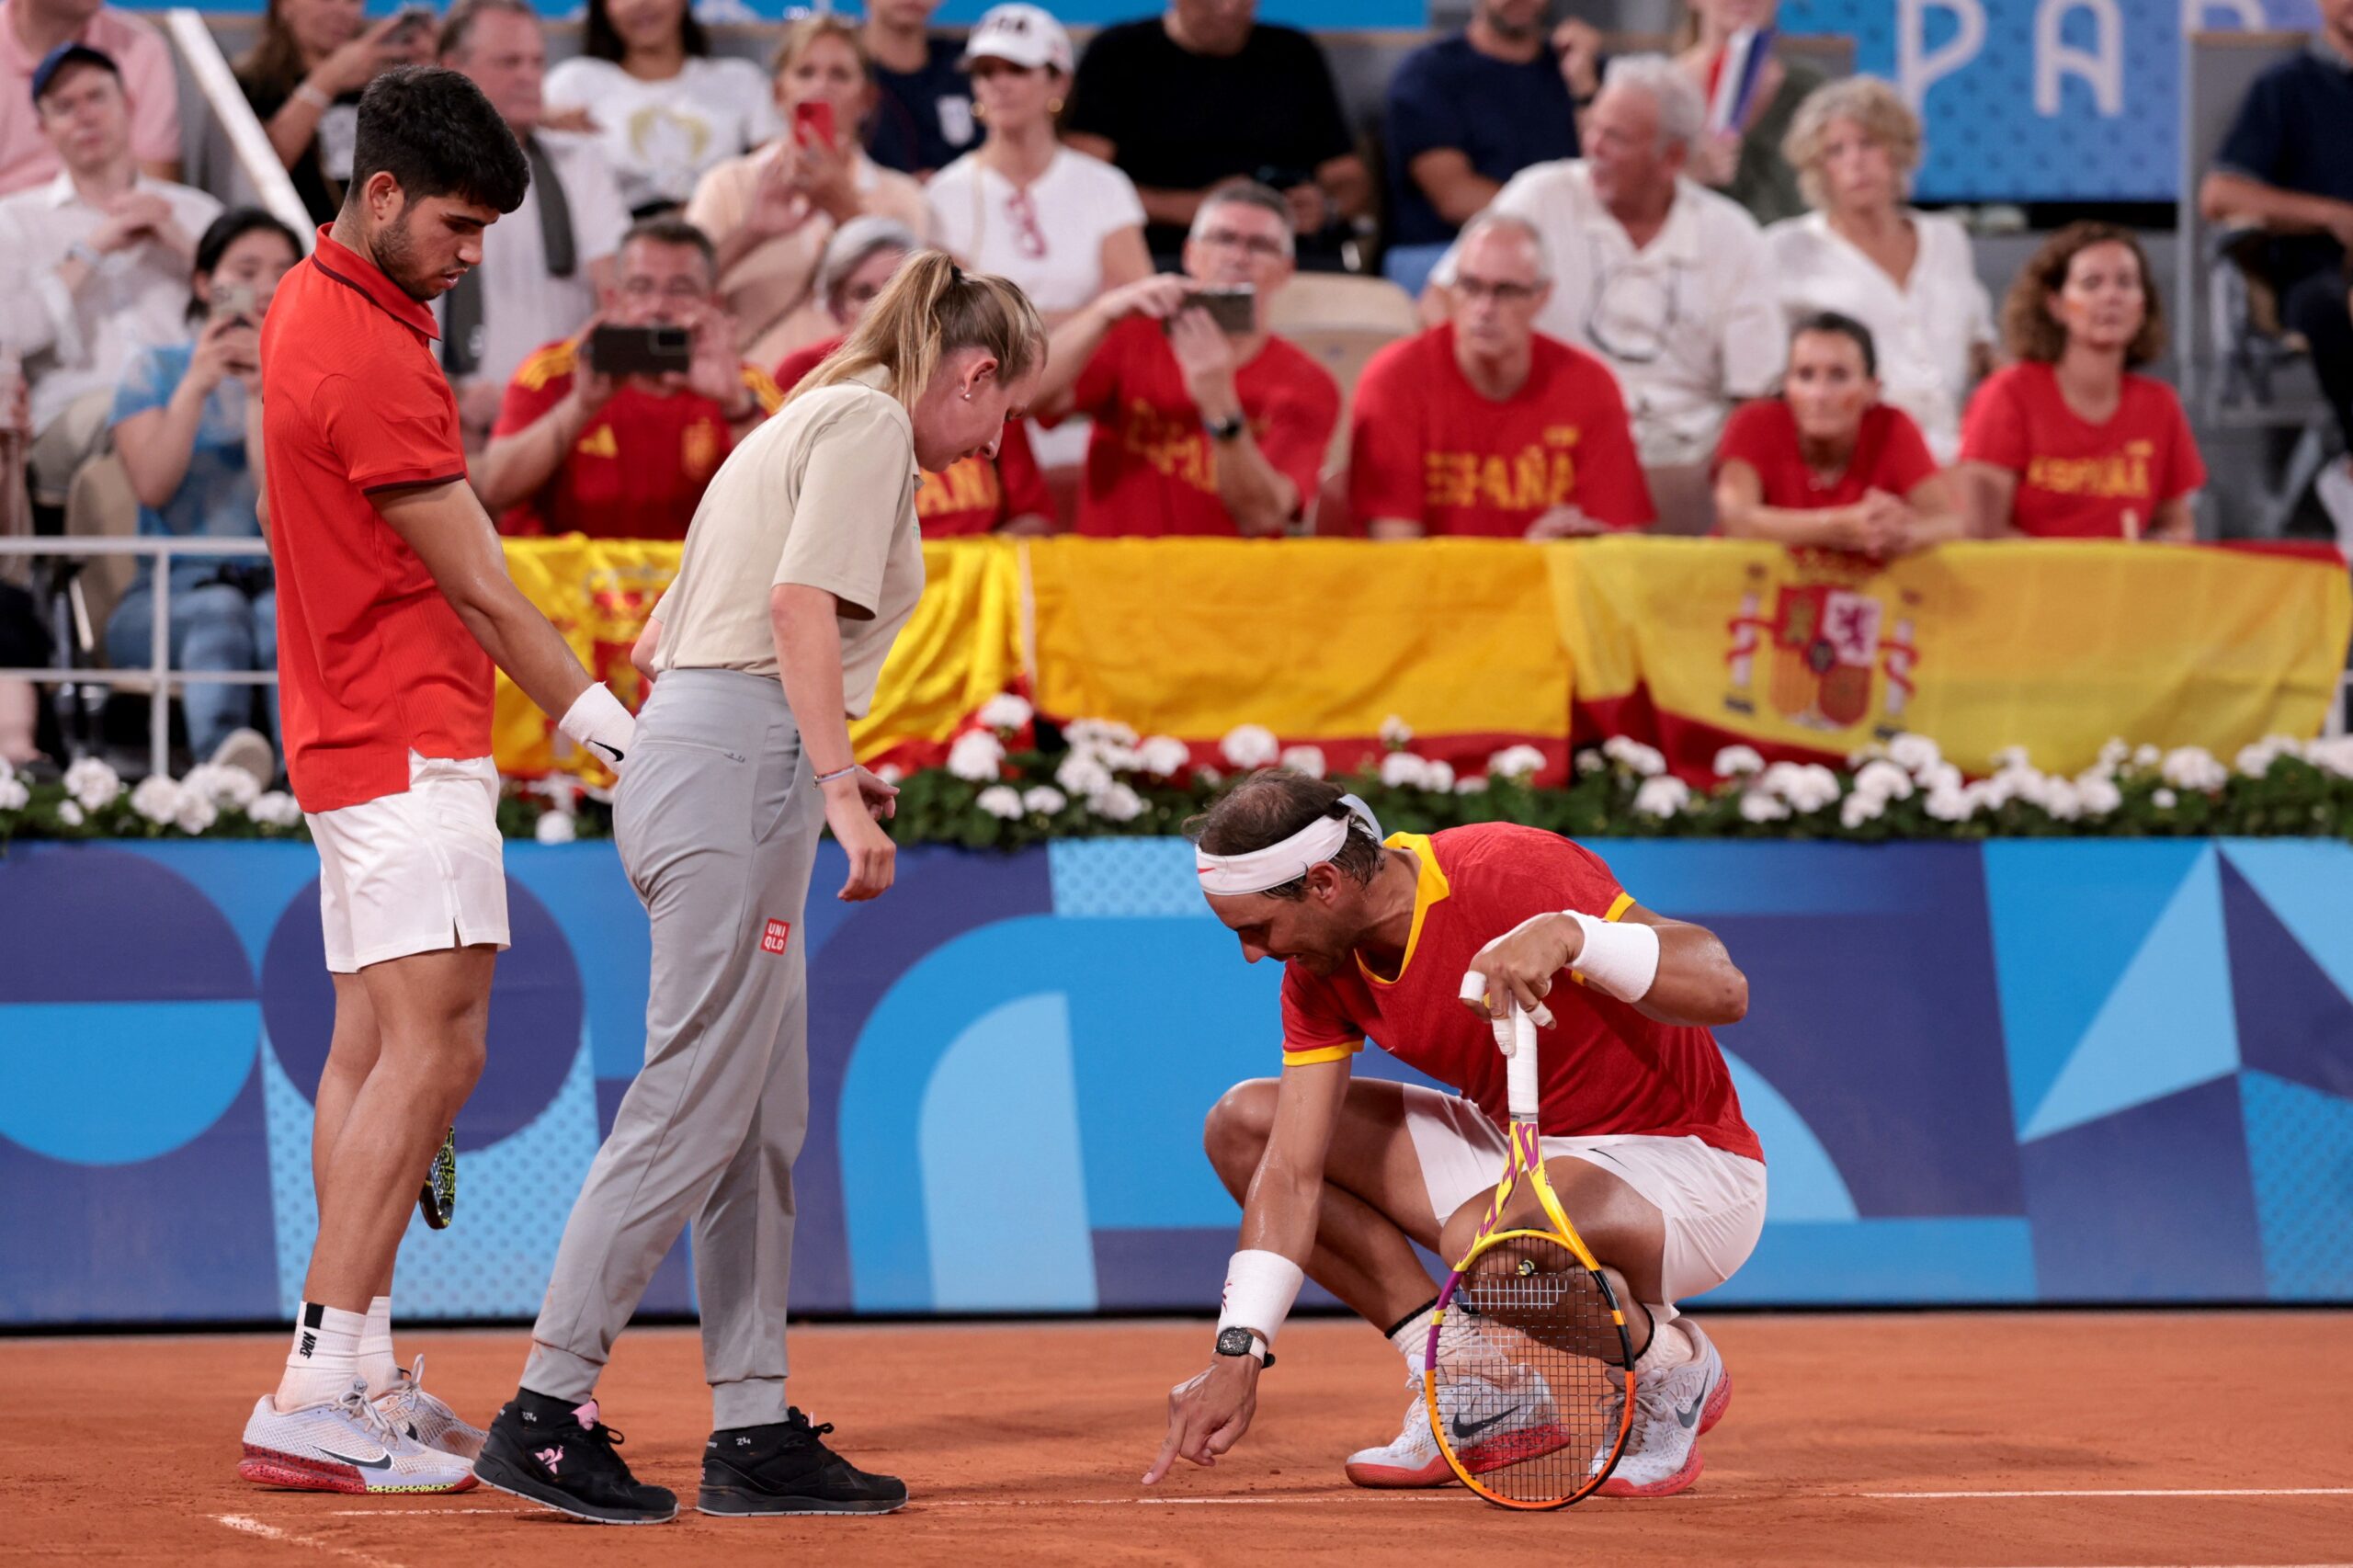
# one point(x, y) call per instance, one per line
point(1256, 871)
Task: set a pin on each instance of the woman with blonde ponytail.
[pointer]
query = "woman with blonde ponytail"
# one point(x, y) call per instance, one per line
point(801, 566)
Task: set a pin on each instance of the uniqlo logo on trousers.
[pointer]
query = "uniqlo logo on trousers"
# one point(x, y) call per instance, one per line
point(772, 940)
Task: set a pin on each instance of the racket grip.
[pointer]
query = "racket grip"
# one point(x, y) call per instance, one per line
point(1526, 1090)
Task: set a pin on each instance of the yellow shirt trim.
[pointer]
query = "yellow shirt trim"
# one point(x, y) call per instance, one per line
point(1430, 888)
point(1618, 908)
point(545, 364)
point(1322, 1054)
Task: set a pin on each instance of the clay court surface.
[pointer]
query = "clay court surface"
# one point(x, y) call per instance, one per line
point(1962, 1440)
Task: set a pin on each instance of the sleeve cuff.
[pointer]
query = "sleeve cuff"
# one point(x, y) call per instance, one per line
point(407, 477)
point(1619, 905)
point(1320, 1054)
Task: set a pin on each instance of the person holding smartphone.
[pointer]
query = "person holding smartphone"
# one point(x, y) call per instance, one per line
point(179, 430)
point(303, 77)
point(770, 212)
point(614, 432)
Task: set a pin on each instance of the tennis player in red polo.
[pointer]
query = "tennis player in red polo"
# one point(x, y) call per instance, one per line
point(393, 603)
point(1643, 1134)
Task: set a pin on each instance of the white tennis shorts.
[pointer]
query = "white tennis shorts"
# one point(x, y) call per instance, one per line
point(1713, 1201)
point(414, 872)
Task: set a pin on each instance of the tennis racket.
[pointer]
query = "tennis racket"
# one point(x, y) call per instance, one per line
point(1528, 1378)
point(439, 1200)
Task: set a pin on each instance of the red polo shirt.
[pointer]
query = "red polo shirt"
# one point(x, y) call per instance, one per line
point(372, 663)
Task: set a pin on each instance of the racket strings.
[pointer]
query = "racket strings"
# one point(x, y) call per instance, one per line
point(1530, 1373)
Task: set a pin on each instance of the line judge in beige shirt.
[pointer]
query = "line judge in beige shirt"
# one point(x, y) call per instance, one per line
point(802, 564)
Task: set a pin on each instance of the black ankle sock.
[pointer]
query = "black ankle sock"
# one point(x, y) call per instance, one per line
point(1390, 1332)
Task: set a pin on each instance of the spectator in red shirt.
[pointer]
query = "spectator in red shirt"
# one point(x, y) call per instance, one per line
point(1483, 425)
point(975, 494)
point(2069, 443)
point(1826, 464)
point(1196, 431)
point(627, 457)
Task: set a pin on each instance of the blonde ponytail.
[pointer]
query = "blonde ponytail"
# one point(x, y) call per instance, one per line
point(930, 308)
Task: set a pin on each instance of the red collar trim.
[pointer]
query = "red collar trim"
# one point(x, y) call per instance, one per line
point(354, 271)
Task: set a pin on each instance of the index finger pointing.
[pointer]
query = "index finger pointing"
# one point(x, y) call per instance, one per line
point(1167, 1453)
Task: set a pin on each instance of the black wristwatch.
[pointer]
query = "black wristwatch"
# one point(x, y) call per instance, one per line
point(1238, 1341)
point(1225, 429)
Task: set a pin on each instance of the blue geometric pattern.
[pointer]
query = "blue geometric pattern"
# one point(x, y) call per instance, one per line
point(2300, 1151)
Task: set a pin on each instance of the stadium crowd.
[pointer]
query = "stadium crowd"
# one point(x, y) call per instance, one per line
point(1682, 289)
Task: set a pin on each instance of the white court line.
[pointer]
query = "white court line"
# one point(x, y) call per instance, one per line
point(2127, 1491)
point(248, 1525)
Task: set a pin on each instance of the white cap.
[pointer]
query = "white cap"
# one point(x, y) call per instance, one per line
point(1019, 35)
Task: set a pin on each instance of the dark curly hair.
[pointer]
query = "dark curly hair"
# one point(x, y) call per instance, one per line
point(599, 39)
point(433, 131)
point(2027, 324)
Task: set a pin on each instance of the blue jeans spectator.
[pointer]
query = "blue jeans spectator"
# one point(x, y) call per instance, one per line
point(214, 627)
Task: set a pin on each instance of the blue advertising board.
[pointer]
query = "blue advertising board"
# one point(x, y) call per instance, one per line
point(2046, 1070)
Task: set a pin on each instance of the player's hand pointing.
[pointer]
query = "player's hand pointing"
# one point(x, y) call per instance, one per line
point(1207, 1415)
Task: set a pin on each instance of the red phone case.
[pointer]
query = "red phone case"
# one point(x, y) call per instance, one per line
point(813, 122)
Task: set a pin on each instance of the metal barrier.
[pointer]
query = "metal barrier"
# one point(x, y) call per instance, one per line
point(158, 675)
point(247, 145)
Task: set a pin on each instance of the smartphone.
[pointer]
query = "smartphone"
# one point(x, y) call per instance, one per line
point(616, 350)
point(1235, 307)
point(232, 301)
point(412, 20)
point(812, 120)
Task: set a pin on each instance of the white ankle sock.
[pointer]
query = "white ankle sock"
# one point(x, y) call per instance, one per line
point(1670, 1348)
point(376, 1363)
point(324, 1360)
point(1412, 1338)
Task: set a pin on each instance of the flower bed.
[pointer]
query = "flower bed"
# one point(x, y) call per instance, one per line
point(1013, 781)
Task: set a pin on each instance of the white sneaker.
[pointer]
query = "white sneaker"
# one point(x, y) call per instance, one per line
point(248, 751)
point(417, 1414)
point(1491, 1428)
point(343, 1445)
point(1671, 1410)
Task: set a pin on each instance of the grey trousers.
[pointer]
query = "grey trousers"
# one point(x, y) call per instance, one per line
point(716, 818)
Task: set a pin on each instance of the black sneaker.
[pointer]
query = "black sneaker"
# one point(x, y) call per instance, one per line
point(559, 1456)
point(785, 1467)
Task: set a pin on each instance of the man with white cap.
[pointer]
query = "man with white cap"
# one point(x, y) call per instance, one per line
point(1641, 1132)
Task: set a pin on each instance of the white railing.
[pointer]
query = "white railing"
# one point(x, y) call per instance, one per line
point(256, 160)
point(157, 674)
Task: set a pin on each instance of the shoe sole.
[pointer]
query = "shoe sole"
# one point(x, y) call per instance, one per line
point(498, 1477)
point(1680, 1481)
point(728, 1502)
point(1397, 1478)
point(292, 1472)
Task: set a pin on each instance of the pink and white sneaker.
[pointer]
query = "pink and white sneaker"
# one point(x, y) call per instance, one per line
point(1672, 1409)
point(343, 1445)
point(417, 1415)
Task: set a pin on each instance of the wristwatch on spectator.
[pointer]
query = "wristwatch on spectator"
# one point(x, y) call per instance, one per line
point(86, 253)
point(1225, 429)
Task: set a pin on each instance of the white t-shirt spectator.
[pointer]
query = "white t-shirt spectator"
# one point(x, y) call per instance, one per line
point(659, 137)
point(1923, 328)
point(82, 342)
point(1049, 239)
point(1689, 323)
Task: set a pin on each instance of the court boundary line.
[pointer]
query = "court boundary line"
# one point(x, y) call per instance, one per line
point(246, 1524)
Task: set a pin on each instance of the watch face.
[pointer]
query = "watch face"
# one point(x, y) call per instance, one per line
point(1233, 1342)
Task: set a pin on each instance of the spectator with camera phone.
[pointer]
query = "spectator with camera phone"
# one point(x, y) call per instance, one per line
point(614, 432)
point(303, 77)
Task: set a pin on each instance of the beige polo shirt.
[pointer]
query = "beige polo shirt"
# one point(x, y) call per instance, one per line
point(822, 496)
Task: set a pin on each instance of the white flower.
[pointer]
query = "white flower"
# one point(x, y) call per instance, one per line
point(1952, 804)
point(1939, 776)
point(1395, 733)
point(2097, 794)
point(1164, 757)
point(1755, 805)
point(2146, 756)
point(224, 787)
point(1804, 786)
point(1081, 775)
point(1516, 762)
point(1304, 759)
point(2164, 800)
point(2060, 800)
point(1403, 770)
point(1738, 762)
point(2114, 754)
point(1590, 761)
point(2256, 760)
point(1118, 758)
point(2011, 757)
point(1006, 710)
point(157, 798)
point(13, 793)
point(1044, 800)
point(1998, 791)
point(1250, 745)
point(196, 813)
point(555, 827)
point(1471, 784)
point(1209, 776)
point(2334, 755)
point(1914, 753)
point(93, 784)
point(274, 808)
point(1097, 732)
point(977, 756)
point(2193, 768)
point(1642, 761)
point(1862, 806)
point(1438, 776)
point(1661, 797)
point(890, 773)
point(69, 814)
point(1000, 801)
point(1883, 781)
point(1118, 803)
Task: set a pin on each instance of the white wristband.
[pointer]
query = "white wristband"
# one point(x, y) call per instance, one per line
point(1620, 959)
point(1260, 1286)
point(597, 722)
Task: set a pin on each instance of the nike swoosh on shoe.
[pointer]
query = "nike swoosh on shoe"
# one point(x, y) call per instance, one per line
point(384, 1462)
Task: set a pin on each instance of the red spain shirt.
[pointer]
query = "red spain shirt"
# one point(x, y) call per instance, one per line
point(372, 663)
point(971, 495)
point(2078, 480)
point(1890, 455)
point(1427, 446)
point(1606, 1068)
point(1152, 470)
point(640, 466)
